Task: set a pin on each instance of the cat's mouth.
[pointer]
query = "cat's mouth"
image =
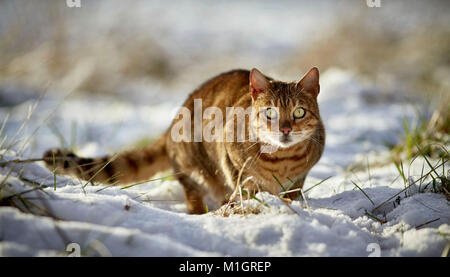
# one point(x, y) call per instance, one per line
point(286, 141)
point(283, 141)
point(285, 138)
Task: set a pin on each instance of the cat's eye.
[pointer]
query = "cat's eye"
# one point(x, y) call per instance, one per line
point(271, 113)
point(299, 113)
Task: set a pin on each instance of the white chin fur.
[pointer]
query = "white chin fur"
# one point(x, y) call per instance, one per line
point(277, 143)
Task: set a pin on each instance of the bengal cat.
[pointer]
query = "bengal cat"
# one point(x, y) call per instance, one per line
point(214, 166)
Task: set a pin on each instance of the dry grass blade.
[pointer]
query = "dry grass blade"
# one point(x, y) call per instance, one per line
point(109, 180)
point(238, 182)
point(446, 251)
point(46, 118)
point(30, 112)
point(4, 124)
point(21, 161)
point(306, 202)
point(23, 192)
point(237, 188)
point(289, 206)
point(150, 180)
point(103, 167)
point(426, 223)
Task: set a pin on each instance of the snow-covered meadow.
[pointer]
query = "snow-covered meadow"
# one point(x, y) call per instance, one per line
point(385, 216)
point(150, 219)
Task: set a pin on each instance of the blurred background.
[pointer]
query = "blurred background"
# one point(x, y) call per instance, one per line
point(145, 51)
point(119, 47)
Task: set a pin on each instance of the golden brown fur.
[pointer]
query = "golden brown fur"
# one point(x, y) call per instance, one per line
point(212, 168)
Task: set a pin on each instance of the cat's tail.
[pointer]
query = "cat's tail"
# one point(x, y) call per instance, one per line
point(127, 167)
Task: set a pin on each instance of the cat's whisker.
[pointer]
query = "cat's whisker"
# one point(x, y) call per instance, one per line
point(251, 146)
point(255, 158)
point(315, 141)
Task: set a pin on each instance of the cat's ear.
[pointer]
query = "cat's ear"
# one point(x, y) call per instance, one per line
point(310, 82)
point(258, 83)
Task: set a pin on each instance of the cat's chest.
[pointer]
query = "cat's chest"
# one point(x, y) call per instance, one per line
point(282, 165)
point(283, 168)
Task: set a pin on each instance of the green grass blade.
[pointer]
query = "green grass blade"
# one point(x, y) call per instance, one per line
point(291, 185)
point(428, 162)
point(278, 181)
point(259, 200)
point(364, 193)
point(401, 171)
point(374, 217)
point(319, 183)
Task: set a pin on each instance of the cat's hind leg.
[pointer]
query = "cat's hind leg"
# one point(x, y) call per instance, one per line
point(194, 195)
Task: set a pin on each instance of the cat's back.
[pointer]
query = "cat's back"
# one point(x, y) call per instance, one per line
point(222, 90)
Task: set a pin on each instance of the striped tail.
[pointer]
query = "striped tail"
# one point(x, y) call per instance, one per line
point(127, 167)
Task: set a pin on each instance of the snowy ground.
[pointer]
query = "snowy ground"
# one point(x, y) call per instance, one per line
point(150, 219)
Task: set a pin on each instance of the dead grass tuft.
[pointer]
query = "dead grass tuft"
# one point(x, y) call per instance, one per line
point(235, 208)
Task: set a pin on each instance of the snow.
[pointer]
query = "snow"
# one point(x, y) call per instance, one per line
point(151, 220)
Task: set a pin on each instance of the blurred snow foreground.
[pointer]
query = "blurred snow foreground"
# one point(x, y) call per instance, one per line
point(150, 219)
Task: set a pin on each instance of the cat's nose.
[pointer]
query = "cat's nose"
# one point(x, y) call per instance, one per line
point(286, 130)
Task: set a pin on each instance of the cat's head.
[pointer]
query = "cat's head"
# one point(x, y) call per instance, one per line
point(286, 113)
